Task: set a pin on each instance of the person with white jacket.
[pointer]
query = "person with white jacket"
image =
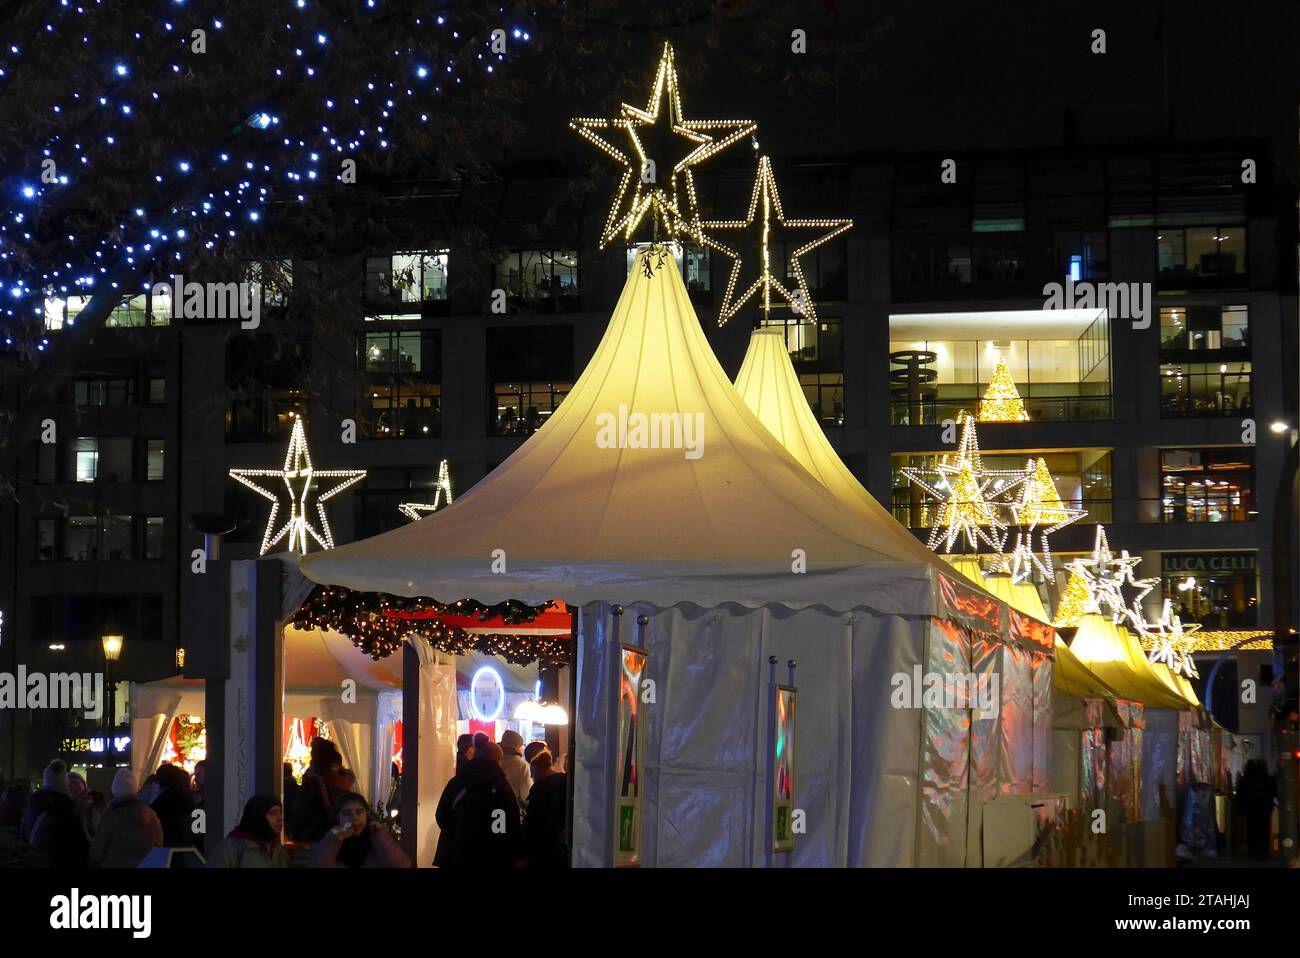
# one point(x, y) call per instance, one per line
point(513, 764)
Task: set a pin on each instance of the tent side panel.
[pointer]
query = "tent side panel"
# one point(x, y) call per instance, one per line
point(945, 756)
point(1043, 666)
point(986, 667)
point(1160, 755)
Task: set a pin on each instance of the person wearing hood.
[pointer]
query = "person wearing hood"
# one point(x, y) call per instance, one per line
point(52, 823)
point(545, 832)
point(255, 841)
point(130, 829)
point(484, 802)
point(513, 764)
point(357, 841)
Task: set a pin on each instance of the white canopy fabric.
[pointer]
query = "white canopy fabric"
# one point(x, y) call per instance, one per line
point(574, 520)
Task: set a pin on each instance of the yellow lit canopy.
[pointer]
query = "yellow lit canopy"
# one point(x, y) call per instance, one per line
point(1115, 657)
point(594, 507)
point(1071, 676)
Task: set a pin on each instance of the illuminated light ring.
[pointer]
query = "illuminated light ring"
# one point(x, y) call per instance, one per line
point(473, 703)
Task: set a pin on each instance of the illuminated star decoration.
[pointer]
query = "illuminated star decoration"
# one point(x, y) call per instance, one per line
point(960, 486)
point(766, 213)
point(299, 481)
point(1106, 575)
point(442, 491)
point(1039, 504)
point(1170, 643)
point(670, 198)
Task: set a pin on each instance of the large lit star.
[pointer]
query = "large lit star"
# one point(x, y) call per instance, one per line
point(961, 485)
point(668, 197)
point(1039, 505)
point(441, 496)
point(1106, 575)
point(1170, 644)
point(299, 480)
point(767, 217)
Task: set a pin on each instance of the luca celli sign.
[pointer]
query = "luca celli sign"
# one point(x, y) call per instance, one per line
point(1208, 562)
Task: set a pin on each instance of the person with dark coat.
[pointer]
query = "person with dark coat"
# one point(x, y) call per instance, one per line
point(464, 752)
point(357, 841)
point(545, 830)
point(1255, 794)
point(14, 852)
point(255, 841)
point(129, 830)
point(315, 812)
point(483, 825)
point(55, 824)
point(175, 807)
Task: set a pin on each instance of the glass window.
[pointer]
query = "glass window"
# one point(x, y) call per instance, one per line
point(522, 408)
point(820, 343)
point(1217, 589)
point(118, 533)
point(154, 460)
point(85, 459)
point(1207, 485)
point(46, 539)
point(402, 411)
point(81, 538)
point(412, 353)
point(698, 270)
point(1200, 253)
point(153, 537)
point(129, 313)
point(55, 308)
point(272, 280)
point(156, 377)
point(1205, 389)
point(408, 277)
point(825, 395)
point(538, 274)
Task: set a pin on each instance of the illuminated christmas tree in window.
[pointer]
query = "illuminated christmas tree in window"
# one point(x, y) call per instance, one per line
point(1001, 402)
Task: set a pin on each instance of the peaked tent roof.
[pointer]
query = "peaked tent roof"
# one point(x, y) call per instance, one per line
point(579, 522)
point(770, 387)
point(1109, 654)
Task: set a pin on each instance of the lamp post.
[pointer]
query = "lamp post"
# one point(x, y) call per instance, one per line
point(112, 652)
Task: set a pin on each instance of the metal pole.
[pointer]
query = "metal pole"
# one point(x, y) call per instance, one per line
point(769, 797)
point(613, 667)
point(570, 772)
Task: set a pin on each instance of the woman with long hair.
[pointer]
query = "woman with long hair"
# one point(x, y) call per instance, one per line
point(357, 840)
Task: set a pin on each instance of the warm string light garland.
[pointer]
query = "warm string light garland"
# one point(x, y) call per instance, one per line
point(299, 477)
point(441, 495)
point(673, 210)
point(378, 624)
point(1002, 402)
point(764, 201)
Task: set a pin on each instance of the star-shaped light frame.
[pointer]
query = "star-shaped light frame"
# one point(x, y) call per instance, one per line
point(1039, 503)
point(764, 201)
point(1105, 575)
point(960, 483)
point(1170, 644)
point(298, 478)
point(671, 200)
point(442, 491)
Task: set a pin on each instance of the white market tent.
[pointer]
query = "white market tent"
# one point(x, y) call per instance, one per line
point(316, 662)
point(707, 547)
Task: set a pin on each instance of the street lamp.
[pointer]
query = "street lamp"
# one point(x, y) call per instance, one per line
point(112, 652)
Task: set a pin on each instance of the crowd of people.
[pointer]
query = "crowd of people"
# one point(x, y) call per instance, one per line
point(65, 824)
point(505, 807)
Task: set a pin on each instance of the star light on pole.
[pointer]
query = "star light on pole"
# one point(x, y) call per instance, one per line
point(1170, 643)
point(766, 216)
point(299, 480)
point(442, 491)
point(649, 187)
point(1106, 575)
point(961, 485)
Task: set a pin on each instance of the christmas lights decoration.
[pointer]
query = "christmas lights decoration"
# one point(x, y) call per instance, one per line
point(764, 201)
point(1039, 504)
point(441, 496)
point(299, 479)
point(378, 624)
point(670, 201)
point(1075, 601)
point(99, 86)
point(1001, 402)
point(961, 485)
point(1105, 575)
point(1170, 643)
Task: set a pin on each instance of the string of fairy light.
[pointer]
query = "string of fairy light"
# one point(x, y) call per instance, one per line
point(238, 183)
